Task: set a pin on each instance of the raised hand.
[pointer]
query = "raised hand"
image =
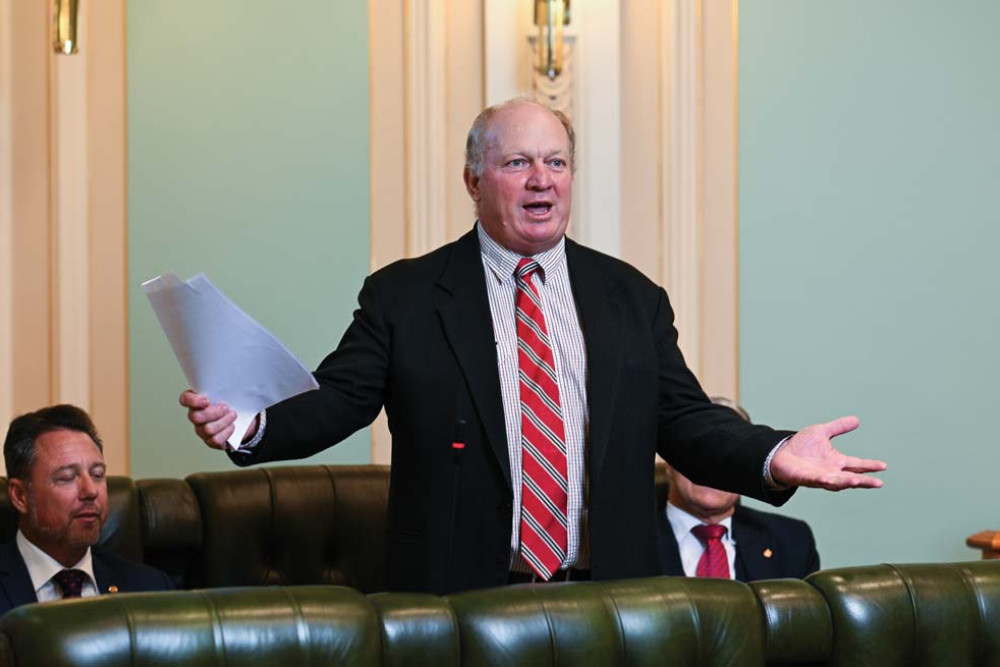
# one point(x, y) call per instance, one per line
point(810, 459)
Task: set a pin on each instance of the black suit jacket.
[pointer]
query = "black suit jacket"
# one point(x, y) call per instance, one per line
point(110, 569)
point(422, 344)
point(768, 546)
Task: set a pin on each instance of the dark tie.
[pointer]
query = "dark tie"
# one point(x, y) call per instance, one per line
point(714, 562)
point(543, 441)
point(70, 582)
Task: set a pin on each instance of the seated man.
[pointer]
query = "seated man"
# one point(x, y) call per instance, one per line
point(705, 532)
point(57, 483)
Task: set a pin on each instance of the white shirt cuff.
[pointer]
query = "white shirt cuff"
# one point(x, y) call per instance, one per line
point(769, 482)
point(251, 444)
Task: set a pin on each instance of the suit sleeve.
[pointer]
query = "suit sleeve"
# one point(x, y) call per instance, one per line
point(709, 443)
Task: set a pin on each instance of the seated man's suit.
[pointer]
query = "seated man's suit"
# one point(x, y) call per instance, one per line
point(768, 546)
point(113, 574)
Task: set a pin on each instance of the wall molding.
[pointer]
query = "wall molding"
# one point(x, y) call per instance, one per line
point(681, 180)
point(426, 105)
point(71, 238)
point(597, 69)
point(426, 60)
point(6, 219)
point(64, 337)
point(679, 146)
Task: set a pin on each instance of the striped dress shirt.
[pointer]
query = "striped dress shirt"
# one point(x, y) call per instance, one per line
point(569, 351)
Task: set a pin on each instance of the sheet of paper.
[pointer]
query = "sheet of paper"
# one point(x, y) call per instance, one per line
point(225, 353)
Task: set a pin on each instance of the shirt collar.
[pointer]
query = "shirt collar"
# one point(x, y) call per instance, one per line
point(41, 566)
point(682, 522)
point(502, 262)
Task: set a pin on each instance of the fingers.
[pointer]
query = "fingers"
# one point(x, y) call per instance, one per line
point(855, 464)
point(850, 481)
point(840, 426)
point(213, 423)
point(202, 416)
point(215, 433)
point(193, 400)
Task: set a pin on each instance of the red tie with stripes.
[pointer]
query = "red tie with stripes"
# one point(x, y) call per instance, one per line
point(714, 562)
point(543, 441)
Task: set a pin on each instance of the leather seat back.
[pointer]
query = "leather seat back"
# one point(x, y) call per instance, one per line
point(663, 620)
point(171, 529)
point(294, 525)
point(910, 615)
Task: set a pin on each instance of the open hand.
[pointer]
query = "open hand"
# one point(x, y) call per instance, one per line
point(810, 459)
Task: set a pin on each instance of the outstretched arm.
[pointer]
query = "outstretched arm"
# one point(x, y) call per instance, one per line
point(809, 458)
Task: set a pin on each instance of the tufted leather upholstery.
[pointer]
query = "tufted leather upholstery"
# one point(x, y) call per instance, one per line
point(943, 614)
point(294, 525)
point(261, 526)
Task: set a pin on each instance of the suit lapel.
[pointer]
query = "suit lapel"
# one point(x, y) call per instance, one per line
point(103, 574)
point(751, 546)
point(468, 326)
point(601, 324)
point(14, 578)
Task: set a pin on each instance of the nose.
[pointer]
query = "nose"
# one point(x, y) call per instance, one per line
point(88, 487)
point(539, 178)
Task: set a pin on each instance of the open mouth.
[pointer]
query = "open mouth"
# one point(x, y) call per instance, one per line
point(538, 209)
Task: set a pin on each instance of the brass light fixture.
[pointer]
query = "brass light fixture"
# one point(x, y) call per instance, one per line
point(550, 17)
point(64, 26)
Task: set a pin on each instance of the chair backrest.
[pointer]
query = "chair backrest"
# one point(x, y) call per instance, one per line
point(171, 530)
point(294, 525)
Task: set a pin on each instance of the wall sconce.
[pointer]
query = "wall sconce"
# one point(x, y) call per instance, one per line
point(550, 17)
point(64, 26)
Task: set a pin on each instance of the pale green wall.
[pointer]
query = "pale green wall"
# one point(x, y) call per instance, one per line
point(869, 161)
point(248, 161)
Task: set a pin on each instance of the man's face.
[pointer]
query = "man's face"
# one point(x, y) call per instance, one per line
point(708, 504)
point(524, 194)
point(64, 503)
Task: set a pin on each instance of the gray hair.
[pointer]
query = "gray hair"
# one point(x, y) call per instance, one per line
point(475, 144)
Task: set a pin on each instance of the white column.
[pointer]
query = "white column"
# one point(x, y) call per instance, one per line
point(597, 66)
point(680, 69)
point(6, 220)
point(426, 97)
point(70, 225)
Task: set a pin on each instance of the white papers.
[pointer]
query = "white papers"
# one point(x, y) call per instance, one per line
point(224, 353)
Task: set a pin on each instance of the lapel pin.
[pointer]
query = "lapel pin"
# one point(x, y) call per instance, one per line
point(112, 589)
point(768, 553)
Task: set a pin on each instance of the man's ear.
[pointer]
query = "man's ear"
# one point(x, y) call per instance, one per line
point(17, 491)
point(471, 183)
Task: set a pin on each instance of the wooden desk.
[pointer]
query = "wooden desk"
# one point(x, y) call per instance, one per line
point(988, 541)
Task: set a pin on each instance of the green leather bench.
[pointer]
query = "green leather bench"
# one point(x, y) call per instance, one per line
point(881, 615)
point(261, 526)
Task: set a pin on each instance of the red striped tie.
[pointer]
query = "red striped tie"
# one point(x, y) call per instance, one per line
point(543, 441)
point(714, 562)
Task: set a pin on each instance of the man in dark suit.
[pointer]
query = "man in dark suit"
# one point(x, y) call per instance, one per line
point(757, 545)
point(449, 344)
point(57, 483)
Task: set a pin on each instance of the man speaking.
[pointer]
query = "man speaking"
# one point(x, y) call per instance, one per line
point(528, 382)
